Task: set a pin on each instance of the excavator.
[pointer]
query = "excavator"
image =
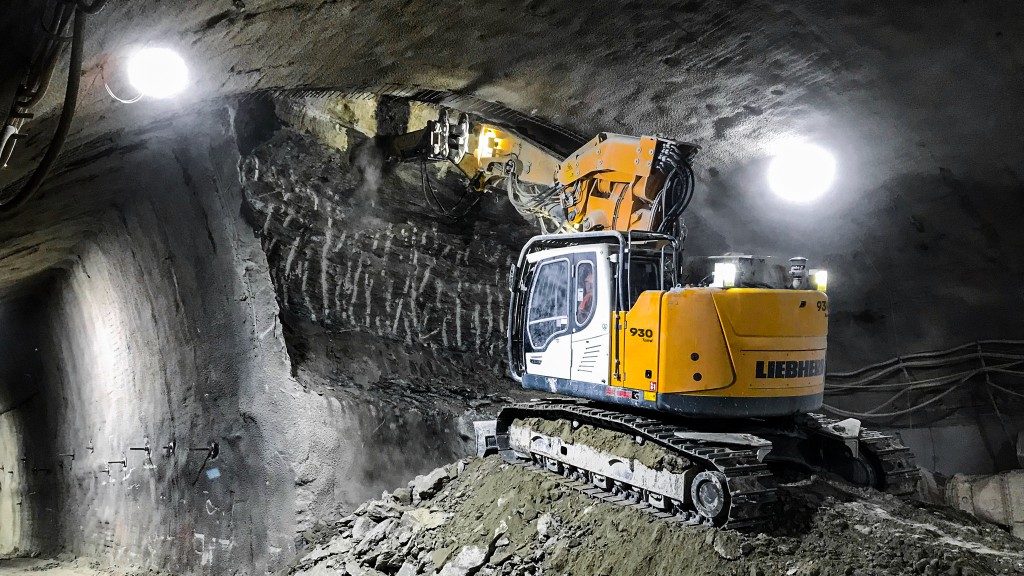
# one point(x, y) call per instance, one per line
point(718, 373)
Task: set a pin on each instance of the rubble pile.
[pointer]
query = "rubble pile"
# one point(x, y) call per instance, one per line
point(486, 517)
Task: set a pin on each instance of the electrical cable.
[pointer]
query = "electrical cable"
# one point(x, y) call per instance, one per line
point(872, 414)
point(676, 191)
point(960, 379)
point(122, 100)
point(946, 384)
point(919, 364)
point(67, 114)
point(938, 380)
point(30, 93)
point(930, 354)
point(1010, 392)
point(429, 193)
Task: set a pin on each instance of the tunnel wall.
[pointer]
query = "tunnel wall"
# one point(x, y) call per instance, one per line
point(380, 287)
point(21, 372)
point(159, 323)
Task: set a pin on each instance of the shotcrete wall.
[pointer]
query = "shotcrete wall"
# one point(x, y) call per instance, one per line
point(160, 325)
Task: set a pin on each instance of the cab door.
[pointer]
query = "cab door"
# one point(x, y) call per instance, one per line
point(548, 342)
point(591, 316)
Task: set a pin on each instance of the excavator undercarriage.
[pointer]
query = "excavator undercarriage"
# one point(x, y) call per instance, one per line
point(723, 476)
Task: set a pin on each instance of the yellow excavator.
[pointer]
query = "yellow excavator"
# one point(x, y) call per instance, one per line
point(722, 374)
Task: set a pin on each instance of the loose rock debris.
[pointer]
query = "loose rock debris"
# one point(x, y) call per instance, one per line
point(487, 517)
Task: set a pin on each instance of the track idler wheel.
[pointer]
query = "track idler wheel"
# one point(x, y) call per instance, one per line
point(710, 495)
point(860, 470)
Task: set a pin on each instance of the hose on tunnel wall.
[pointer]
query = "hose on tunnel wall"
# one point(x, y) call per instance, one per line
point(67, 113)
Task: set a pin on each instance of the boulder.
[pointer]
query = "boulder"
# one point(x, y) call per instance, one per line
point(407, 569)
point(469, 560)
point(425, 486)
point(402, 496)
point(424, 519)
point(377, 534)
point(361, 527)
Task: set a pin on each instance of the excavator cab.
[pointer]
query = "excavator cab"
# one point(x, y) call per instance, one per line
point(601, 316)
point(566, 291)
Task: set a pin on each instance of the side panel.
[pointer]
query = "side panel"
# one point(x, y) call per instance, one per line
point(742, 351)
point(777, 337)
point(694, 353)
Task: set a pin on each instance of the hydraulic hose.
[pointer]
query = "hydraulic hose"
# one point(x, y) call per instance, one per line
point(67, 114)
point(49, 56)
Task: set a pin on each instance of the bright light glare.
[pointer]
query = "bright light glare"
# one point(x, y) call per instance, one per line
point(801, 172)
point(157, 72)
point(821, 279)
point(488, 144)
point(724, 275)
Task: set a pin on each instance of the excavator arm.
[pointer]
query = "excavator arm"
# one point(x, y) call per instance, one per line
point(614, 182)
point(626, 183)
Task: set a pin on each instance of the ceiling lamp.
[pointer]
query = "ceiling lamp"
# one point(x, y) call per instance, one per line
point(157, 72)
point(801, 173)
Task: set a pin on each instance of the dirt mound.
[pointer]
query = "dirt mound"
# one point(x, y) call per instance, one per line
point(487, 517)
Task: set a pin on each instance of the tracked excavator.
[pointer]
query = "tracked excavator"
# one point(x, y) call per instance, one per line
point(718, 378)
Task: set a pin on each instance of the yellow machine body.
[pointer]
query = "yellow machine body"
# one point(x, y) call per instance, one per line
point(734, 352)
point(703, 351)
point(607, 183)
point(727, 374)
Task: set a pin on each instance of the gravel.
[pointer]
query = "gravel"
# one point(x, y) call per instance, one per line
point(487, 517)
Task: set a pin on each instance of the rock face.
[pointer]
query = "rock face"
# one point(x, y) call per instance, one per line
point(139, 267)
point(378, 289)
point(496, 518)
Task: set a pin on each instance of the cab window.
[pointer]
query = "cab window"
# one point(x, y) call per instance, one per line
point(644, 274)
point(586, 296)
point(547, 313)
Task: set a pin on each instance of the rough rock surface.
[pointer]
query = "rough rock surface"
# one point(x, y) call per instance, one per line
point(136, 246)
point(496, 518)
point(378, 289)
point(164, 325)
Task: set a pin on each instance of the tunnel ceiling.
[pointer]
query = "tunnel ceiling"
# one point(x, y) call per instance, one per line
point(901, 88)
point(902, 93)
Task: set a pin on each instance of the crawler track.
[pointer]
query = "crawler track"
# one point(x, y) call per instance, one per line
point(751, 498)
point(751, 486)
point(895, 462)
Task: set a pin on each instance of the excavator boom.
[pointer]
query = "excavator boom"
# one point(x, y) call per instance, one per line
point(614, 182)
point(626, 183)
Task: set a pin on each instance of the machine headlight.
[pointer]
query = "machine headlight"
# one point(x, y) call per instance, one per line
point(488, 144)
point(725, 275)
point(821, 279)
